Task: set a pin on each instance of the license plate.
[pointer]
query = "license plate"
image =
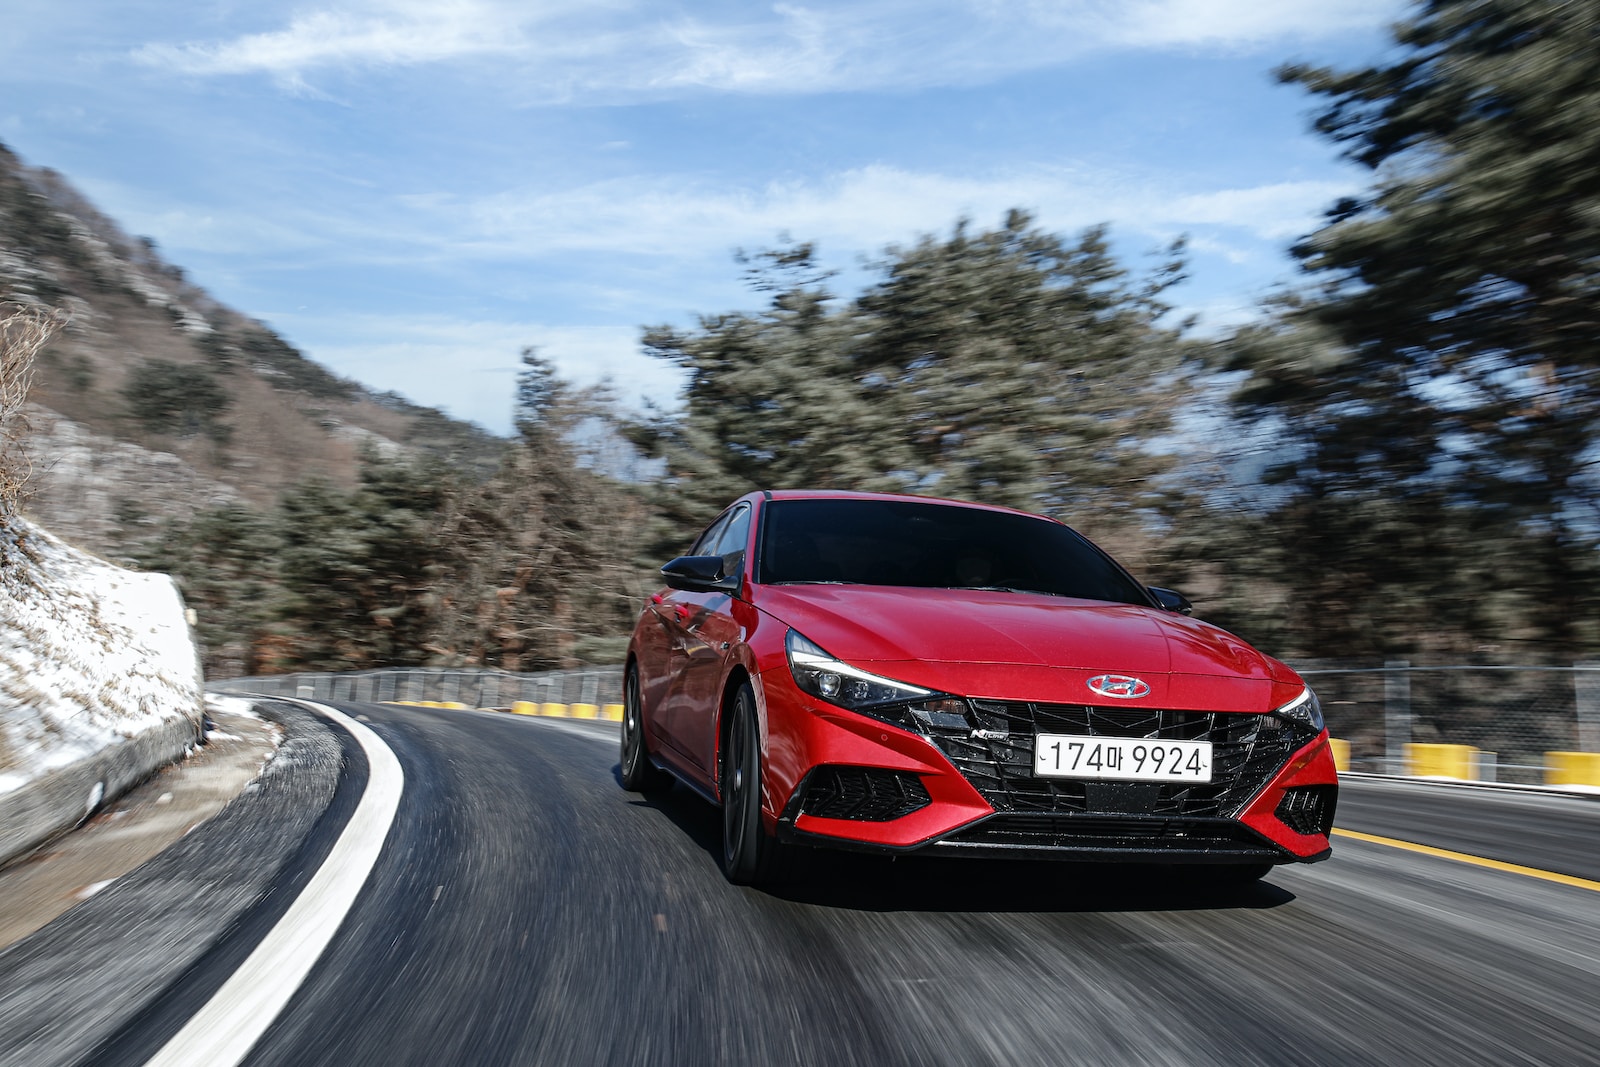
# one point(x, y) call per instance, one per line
point(1121, 759)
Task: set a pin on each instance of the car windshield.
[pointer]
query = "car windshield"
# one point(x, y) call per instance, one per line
point(929, 545)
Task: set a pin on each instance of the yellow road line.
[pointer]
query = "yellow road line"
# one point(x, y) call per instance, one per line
point(1476, 861)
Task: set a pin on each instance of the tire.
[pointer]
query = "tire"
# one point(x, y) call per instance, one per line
point(639, 774)
point(749, 855)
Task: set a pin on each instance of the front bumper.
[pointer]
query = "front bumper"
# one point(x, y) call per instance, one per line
point(844, 780)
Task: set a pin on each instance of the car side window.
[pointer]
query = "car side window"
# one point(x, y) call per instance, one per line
point(704, 545)
point(731, 542)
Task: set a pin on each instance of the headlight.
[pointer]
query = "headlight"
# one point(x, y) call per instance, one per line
point(826, 678)
point(1304, 710)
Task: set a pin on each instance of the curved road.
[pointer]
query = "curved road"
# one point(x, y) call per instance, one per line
point(526, 910)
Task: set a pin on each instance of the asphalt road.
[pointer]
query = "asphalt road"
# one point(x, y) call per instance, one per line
point(526, 910)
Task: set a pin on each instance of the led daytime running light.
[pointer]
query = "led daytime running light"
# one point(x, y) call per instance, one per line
point(823, 676)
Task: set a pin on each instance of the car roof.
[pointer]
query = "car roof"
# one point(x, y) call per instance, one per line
point(843, 494)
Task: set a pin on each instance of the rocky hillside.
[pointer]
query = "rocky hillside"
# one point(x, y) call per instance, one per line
point(157, 399)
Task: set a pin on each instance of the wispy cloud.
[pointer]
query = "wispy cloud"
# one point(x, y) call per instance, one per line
point(856, 211)
point(566, 47)
point(1230, 24)
point(860, 210)
point(1274, 212)
point(393, 34)
point(411, 354)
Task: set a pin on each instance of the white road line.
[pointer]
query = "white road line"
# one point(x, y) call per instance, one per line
point(222, 1032)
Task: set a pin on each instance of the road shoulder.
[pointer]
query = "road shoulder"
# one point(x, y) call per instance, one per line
point(68, 989)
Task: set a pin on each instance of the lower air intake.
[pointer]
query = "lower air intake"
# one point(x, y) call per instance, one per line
point(866, 794)
point(1308, 809)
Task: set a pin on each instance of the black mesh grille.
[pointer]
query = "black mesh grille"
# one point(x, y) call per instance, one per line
point(1308, 809)
point(868, 794)
point(1113, 834)
point(995, 753)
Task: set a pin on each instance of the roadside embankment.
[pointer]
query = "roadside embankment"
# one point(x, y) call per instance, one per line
point(99, 683)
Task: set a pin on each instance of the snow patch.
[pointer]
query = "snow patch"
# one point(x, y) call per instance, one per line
point(91, 655)
point(217, 703)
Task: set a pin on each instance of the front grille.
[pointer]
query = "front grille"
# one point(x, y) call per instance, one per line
point(1112, 834)
point(868, 794)
point(1308, 809)
point(995, 753)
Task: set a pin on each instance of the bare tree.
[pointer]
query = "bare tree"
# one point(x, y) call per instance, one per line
point(23, 332)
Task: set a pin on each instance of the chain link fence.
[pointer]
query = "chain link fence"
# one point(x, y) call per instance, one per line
point(475, 688)
point(1512, 716)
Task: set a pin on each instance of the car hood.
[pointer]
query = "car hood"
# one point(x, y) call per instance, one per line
point(1030, 646)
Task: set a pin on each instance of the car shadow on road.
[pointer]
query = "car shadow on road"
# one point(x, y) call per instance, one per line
point(863, 882)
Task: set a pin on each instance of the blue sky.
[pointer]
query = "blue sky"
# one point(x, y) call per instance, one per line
point(412, 190)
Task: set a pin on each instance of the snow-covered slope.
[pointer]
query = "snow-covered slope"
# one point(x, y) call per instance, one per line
point(99, 683)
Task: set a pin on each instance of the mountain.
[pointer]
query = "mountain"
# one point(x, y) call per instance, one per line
point(156, 398)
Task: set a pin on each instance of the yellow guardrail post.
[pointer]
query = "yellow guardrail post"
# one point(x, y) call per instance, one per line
point(557, 710)
point(1572, 768)
point(1442, 761)
point(585, 711)
point(524, 707)
point(1341, 753)
point(611, 712)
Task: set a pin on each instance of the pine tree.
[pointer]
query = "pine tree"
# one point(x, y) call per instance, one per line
point(1008, 366)
point(1439, 381)
point(225, 563)
point(542, 565)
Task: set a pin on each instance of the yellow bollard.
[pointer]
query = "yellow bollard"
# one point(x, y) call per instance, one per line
point(611, 712)
point(1442, 761)
point(454, 705)
point(585, 711)
point(1572, 768)
point(1341, 753)
point(558, 710)
point(524, 707)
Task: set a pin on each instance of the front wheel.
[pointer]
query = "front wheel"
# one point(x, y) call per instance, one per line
point(749, 855)
point(639, 774)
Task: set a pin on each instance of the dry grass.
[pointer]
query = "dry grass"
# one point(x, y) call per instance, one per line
point(23, 332)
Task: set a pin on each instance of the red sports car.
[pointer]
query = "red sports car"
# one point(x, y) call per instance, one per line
point(899, 674)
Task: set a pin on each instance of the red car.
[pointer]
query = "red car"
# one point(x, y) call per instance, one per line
point(906, 675)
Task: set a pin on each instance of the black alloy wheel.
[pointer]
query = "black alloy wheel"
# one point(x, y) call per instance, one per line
point(749, 856)
point(639, 774)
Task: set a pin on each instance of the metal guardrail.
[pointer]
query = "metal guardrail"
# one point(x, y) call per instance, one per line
point(1510, 717)
point(475, 688)
point(1513, 717)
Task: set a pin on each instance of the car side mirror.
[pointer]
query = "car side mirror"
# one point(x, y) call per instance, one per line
point(700, 574)
point(1172, 600)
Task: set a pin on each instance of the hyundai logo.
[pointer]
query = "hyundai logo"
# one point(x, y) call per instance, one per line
point(1120, 686)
